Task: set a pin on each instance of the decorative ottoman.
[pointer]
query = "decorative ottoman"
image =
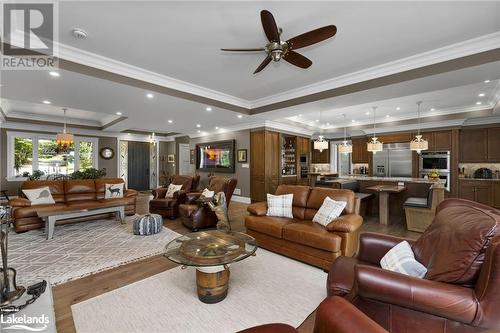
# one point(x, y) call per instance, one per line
point(148, 224)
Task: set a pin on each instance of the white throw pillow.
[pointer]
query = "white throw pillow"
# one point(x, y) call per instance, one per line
point(329, 210)
point(280, 205)
point(207, 193)
point(401, 259)
point(172, 189)
point(39, 196)
point(113, 191)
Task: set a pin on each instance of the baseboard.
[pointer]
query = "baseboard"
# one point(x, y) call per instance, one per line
point(241, 199)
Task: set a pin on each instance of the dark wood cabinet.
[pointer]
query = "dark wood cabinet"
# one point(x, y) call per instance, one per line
point(493, 144)
point(360, 153)
point(264, 163)
point(496, 194)
point(319, 157)
point(476, 190)
point(441, 140)
point(473, 145)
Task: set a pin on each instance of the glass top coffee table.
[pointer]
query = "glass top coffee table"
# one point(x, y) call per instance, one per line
point(211, 252)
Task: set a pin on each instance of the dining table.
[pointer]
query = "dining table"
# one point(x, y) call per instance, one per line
point(383, 199)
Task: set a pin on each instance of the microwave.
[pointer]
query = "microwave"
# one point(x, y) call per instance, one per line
point(439, 161)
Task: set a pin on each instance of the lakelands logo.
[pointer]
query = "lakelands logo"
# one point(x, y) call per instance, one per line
point(27, 323)
point(29, 32)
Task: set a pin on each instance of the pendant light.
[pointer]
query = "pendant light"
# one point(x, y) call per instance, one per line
point(152, 139)
point(374, 146)
point(64, 140)
point(320, 144)
point(345, 148)
point(418, 144)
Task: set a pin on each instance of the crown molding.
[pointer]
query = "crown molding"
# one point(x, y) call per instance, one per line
point(449, 52)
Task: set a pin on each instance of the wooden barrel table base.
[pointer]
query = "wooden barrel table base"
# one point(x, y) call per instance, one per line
point(212, 287)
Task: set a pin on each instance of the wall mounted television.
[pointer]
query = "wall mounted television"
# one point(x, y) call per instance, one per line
point(215, 156)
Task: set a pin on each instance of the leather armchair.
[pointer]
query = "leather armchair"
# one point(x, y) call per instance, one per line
point(402, 303)
point(195, 215)
point(334, 315)
point(169, 207)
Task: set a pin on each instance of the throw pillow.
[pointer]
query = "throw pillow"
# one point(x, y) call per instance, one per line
point(207, 193)
point(113, 191)
point(402, 260)
point(172, 189)
point(39, 196)
point(280, 205)
point(329, 210)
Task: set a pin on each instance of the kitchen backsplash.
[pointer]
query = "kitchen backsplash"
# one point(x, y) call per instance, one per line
point(469, 168)
point(320, 167)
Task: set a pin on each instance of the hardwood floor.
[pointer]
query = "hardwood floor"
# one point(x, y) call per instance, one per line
point(88, 287)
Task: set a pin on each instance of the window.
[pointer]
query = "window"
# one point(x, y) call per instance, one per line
point(27, 152)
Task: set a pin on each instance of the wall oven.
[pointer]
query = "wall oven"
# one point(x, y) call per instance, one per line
point(435, 160)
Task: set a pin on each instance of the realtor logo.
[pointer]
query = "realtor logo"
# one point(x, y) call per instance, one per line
point(29, 31)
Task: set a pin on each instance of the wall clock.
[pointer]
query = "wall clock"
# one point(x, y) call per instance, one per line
point(107, 153)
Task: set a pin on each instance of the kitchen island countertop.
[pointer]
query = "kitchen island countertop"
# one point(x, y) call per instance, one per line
point(390, 179)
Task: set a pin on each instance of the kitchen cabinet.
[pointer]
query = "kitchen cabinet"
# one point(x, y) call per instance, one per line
point(438, 141)
point(496, 194)
point(493, 144)
point(479, 145)
point(265, 166)
point(476, 190)
point(319, 157)
point(303, 145)
point(360, 153)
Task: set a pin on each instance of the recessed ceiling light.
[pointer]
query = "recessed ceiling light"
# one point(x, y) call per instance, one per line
point(300, 115)
point(398, 108)
point(367, 113)
point(240, 116)
point(478, 103)
point(486, 81)
point(387, 115)
point(46, 102)
point(317, 120)
point(170, 121)
point(208, 108)
point(150, 95)
point(327, 124)
point(199, 131)
point(198, 125)
point(54, 74)
point(216, 127)
point(481, 95)
point(79, 33)
point(118, 113)
point(128, 133)
point(432, 109)
point(353, 121)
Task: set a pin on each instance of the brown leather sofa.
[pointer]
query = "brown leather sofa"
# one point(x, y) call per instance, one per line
point(461, 290)
point(302, 239)
point(334, 315)
point(169, 207)
point(87, 193)
point(195, 215)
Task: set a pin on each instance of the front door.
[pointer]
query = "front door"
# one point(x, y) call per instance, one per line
point(138, 165)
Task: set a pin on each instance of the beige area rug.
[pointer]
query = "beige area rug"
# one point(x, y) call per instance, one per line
point(80, 249)
point(262, 289)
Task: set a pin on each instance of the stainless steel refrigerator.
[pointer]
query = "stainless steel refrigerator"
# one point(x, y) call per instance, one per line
point(393, 161)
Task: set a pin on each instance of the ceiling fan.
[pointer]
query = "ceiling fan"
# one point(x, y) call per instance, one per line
point(277, 49)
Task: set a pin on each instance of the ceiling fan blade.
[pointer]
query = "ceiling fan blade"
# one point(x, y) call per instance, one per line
point(297, 59)
point(269, 25)
point(244, 50)
point(312, 37)
point(263, 64)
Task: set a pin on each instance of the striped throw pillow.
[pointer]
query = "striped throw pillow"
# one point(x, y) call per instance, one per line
point(280, 205)
point(402, 260)
point(329, 211)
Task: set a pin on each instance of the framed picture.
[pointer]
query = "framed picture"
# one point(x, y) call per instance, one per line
point(242, 155)
point(191, 156)
point(171, 158)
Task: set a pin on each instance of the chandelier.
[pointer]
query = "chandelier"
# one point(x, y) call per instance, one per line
point(374, 146)
point(64, 140)
point(345, 148)
point(320, 144)
point(418, 144)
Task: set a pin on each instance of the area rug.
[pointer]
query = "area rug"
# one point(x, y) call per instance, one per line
point(262, 289)
point(80, 249)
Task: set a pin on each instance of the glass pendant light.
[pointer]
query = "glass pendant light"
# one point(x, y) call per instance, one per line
point(320, 144)
point(374, 146)
point(418, 144)
point(345, 148)
point(64, 140)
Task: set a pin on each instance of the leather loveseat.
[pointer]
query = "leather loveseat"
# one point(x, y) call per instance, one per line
point(302, 239)
point(195, 215)
point(169, 207)
point(67, 194)
point(459, 293)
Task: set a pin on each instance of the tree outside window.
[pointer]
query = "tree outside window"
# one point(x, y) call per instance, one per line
point(23, 155)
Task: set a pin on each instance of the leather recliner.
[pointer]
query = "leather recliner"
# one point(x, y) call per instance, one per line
point(299, 237)
point(195, 215)
point(461, 290)
point(69, 194)
point(169, 207)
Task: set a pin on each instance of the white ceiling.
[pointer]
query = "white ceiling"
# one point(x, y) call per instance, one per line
point(182, 40)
